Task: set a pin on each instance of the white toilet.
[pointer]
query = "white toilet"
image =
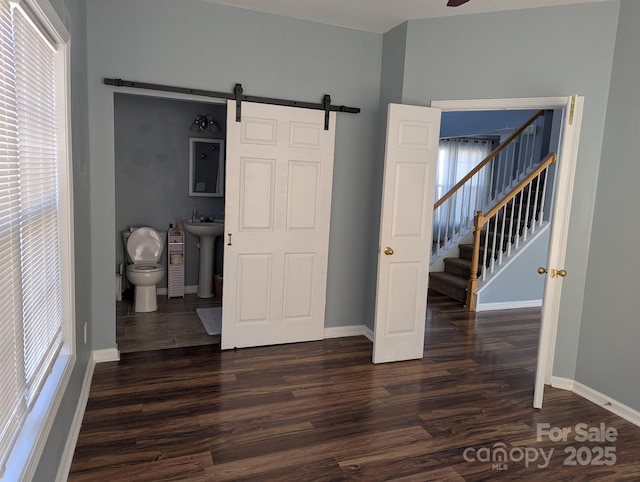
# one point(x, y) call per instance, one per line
point(144, 247)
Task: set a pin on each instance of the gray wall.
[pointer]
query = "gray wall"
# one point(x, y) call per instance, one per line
point(608, 355)
point(504, 55)
point(460, 124)
point(392, 80)
point(161, 41)
point(73, 12)
point(519, 282)
point(152, 170)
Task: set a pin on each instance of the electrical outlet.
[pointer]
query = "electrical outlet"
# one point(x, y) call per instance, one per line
point(85, 332)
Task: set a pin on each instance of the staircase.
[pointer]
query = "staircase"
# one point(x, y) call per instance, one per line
point(514, 206)
point(496, 241)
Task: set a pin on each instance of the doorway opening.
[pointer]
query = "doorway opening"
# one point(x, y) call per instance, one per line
point(572, 108)
point(151, 146)
point(411, 142)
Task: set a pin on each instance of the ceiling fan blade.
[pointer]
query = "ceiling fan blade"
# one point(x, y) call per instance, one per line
point(456, 3)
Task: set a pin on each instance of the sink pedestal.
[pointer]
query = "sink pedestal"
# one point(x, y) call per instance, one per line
point(208, 232)
point(205, 268)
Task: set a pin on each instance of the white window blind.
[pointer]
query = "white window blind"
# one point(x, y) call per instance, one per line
point(30, 292)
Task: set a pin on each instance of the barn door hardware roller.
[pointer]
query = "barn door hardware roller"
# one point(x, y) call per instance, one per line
point(239, 97)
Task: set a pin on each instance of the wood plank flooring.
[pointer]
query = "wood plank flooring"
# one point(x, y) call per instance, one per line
point(322, 411)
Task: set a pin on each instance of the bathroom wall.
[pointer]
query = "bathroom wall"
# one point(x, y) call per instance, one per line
point(152, 169)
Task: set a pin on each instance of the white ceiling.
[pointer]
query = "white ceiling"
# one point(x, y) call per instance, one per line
point(382, 15)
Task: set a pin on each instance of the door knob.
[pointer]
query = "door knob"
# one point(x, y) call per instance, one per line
point(554, 272)
point(388, 251)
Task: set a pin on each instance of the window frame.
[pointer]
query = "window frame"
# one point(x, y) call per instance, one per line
point(28, 448)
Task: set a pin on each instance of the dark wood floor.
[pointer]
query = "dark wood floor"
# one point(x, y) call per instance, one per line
point(321, 411)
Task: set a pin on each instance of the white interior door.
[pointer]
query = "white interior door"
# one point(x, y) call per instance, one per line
point(568, 154)
point(277, 208)
point(405, 232)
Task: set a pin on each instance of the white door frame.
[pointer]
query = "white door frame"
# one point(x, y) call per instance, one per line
point(568, 155)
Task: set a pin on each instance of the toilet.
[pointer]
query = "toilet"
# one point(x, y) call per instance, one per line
point(144, 250)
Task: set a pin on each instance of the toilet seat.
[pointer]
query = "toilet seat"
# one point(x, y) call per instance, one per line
point(145, 268)
point(145, 246)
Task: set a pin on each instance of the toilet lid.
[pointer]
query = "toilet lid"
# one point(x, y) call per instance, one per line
point(144, 245)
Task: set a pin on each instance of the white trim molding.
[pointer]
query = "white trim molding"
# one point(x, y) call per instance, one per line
point(369, 334)
point(106, 355)
point(76, 424)
point(521, 103)
point(509, 305)
point(618, 408)
point(188, 290)
point(343, 331)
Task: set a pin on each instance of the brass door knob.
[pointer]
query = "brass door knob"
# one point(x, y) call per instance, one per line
point(388, 251)
point(554, 272)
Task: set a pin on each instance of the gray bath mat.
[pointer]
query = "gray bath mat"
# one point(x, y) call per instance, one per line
point(211, 319)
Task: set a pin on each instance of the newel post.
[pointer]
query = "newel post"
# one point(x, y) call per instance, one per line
point(472, 285)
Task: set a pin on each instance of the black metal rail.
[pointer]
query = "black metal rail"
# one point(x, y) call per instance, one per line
point(239, 97)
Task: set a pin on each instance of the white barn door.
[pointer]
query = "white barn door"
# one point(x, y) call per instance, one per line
point(279, 171)
point(411, 155)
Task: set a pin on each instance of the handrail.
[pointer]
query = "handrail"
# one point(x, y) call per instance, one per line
point(550, 159)
point(487, 159)
point(481, 219)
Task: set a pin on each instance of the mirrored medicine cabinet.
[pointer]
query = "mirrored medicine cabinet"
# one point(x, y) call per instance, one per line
point(206, 167)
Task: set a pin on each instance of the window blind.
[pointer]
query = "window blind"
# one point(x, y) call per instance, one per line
point(31, 291)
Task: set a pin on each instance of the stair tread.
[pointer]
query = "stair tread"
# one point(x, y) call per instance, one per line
point(450, 278)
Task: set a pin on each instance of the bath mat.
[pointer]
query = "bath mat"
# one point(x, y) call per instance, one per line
point(211, 319)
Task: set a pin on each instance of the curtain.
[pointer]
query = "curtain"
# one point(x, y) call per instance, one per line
point(456, 158)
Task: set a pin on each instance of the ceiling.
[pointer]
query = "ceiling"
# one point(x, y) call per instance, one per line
point(382, 15)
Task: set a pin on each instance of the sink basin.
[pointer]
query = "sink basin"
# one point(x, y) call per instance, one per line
point(204, 229)
point(207, 231)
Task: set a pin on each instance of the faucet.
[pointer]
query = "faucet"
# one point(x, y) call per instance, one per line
point(194, 214)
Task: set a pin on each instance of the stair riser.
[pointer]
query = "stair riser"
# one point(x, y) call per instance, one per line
point(466, 253)
point(456, 270)
point(449, 290)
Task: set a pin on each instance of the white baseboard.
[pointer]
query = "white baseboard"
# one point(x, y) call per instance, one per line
point(509, 305)
point(563, 383)
point(620, 409)
point(368, 333)
point(106, 355)
point(343, 331)
point(188, 290)
point(76, 424)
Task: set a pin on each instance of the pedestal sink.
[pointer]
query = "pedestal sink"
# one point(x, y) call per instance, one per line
point(207, 231)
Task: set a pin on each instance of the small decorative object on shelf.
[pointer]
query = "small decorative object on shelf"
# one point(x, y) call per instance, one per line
point(175, 271)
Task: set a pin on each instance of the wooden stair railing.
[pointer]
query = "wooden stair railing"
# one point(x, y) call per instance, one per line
point(453, 212)
point(480, 220)
point(492, 155)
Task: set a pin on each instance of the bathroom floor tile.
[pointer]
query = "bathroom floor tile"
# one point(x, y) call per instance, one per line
point(174, 325)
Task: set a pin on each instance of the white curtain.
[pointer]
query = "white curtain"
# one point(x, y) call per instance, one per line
point(456, 158)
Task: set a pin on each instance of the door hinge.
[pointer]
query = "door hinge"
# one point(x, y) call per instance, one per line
point(571, 109)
